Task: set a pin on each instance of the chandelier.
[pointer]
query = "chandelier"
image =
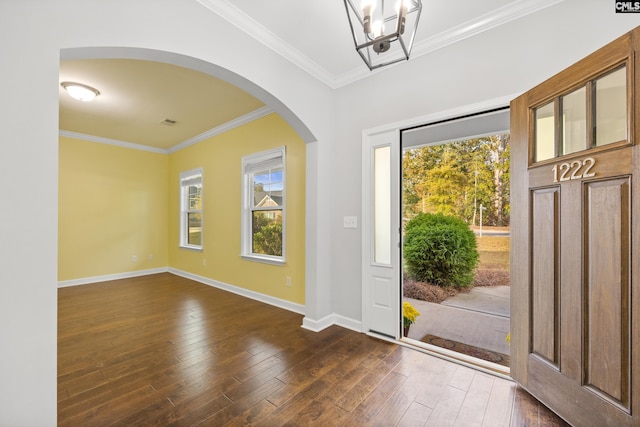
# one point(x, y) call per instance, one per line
point(383, 33)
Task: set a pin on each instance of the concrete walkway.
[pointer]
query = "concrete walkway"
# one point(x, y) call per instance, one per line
point(489, 300)
point(479, 318)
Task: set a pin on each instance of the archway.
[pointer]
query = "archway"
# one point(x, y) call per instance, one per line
point(273, 103)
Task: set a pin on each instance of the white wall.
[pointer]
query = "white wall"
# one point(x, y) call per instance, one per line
point(498, 64)
point(28, 223)
point(32, 33)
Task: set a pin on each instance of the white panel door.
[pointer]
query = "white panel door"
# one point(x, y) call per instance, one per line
point(381, 234)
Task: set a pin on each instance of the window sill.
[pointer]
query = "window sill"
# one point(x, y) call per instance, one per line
point(263, 259)
point(191, 248)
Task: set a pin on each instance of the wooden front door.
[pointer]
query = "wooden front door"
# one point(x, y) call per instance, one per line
point(575, 302)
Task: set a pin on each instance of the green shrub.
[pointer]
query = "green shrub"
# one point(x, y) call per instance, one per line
point(440, 250)
point(268, 240)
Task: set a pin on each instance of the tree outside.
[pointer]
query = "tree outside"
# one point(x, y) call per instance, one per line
point(469, 180)
point(267, 233)
point(458, 178)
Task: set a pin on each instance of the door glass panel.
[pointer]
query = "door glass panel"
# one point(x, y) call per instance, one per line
point(611, 107)
point(545, 132)
point(574, 121)
point(382, 205)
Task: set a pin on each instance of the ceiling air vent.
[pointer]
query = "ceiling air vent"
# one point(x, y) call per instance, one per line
point(168, 122)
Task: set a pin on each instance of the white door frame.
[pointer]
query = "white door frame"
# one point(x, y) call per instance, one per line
point(376, 137)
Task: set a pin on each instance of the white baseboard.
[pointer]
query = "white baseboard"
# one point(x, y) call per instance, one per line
point(330, 320)
point(347, 323)
point(307, 323)
point(317, 325)
point(106, 278)
point(277, 302)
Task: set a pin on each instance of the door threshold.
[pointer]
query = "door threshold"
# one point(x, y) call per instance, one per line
point(451, 356)
point(459, 358)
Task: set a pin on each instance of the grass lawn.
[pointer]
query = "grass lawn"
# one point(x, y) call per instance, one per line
point(494, 252)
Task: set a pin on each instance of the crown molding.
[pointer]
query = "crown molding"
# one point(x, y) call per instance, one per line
point(226, 10)
point(226, 127)
point(512, 11)
point(486, 22)
point(109, 141)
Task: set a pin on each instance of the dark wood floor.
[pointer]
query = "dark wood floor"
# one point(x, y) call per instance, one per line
point(162, 350)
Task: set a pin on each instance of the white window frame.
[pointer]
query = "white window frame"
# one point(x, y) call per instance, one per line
point(259, 162)
point(187, 178)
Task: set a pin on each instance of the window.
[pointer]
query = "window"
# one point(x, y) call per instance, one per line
point(591, 116)
point(263, 223)
point(191, 209)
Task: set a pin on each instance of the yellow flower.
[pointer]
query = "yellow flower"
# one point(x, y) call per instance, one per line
point(409, 313)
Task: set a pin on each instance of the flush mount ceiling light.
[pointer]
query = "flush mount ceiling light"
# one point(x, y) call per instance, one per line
point(383, 33)
point(79, 91)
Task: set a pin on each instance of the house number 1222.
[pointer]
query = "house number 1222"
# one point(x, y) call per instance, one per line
point(574, 170)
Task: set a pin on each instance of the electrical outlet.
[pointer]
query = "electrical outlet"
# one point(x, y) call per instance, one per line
point(150, 257)
point(134, 258)
point(204, 262)
point(288, 281)
point(350, 222)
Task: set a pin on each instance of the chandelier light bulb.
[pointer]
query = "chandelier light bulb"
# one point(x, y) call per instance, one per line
point(402, 6)
point(377, 28)
point(401, 10)
point(368, 6)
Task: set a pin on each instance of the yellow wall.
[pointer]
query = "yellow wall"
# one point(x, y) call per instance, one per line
point(221, 160)
point(116, 202)
point(112, 205)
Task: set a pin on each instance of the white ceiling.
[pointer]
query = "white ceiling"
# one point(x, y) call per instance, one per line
point(136, 96)
point(315, 34)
